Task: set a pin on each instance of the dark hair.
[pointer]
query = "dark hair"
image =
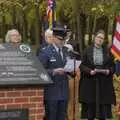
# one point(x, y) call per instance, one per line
point(100, 32)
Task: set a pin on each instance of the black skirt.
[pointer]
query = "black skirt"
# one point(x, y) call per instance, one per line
point(88, 111)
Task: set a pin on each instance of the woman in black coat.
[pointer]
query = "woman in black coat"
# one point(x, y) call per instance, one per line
point(96, 84)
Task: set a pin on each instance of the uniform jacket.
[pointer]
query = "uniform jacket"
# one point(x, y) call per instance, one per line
point(88, 82)
point(50, 58)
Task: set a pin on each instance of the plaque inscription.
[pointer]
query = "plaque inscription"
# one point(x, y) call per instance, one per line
point(20, 67)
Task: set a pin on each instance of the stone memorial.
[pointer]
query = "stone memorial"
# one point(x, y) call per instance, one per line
point(19, 66)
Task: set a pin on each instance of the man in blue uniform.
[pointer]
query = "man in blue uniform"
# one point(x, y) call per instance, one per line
point(54, 59)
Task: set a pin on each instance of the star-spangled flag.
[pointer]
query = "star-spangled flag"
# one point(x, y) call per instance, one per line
point(115, 49)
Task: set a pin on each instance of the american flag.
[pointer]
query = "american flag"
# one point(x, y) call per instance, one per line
point(116, 40)
point(116, 52)
point(51, 13)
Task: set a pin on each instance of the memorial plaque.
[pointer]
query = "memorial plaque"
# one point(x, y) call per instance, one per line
point(14, 114)
point(19, 66)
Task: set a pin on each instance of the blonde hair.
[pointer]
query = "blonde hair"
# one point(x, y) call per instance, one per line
point(48, 32)
point(8, 35)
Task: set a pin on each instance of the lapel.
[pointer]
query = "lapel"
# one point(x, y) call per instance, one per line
point(56, 54)
point(53, 51)
point(90, 54)
point(105, 56)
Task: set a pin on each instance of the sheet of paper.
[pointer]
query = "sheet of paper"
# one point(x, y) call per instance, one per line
point(69, 67)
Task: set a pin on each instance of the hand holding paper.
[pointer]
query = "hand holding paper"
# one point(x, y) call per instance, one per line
point(104, 71)
point(58, 71)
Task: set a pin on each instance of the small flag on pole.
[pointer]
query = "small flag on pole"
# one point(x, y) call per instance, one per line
point(116, 41)
point(51, 13)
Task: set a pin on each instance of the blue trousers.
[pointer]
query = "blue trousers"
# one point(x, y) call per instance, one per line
point(55, 110)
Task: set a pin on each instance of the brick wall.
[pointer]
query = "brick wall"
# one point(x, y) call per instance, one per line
point(31, 98)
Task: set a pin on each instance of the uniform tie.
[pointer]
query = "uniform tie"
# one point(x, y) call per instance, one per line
point(60, 53)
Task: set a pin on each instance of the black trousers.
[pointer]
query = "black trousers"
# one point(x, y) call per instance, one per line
point(88, 111)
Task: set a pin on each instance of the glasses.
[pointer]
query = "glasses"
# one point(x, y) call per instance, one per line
point(100, 37)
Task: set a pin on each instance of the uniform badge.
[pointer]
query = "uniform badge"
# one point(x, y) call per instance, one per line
point(52, 59)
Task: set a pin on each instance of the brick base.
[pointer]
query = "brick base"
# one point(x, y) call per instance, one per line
point(31, 98)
